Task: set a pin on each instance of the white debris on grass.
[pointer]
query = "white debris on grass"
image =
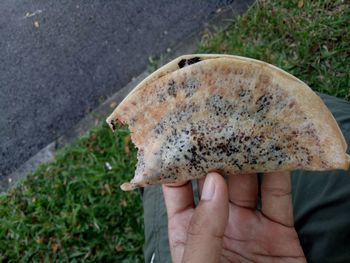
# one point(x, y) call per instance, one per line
point(36, 12)
point(108, 166)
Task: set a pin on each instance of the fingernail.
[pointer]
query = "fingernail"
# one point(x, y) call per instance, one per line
point(208, 188)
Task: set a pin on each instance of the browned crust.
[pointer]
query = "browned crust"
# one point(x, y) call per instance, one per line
point(303, 92)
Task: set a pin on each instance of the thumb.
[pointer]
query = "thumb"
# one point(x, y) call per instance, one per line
point(208, 223)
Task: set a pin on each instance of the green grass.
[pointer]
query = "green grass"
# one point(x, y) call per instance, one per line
point(72, 209)
point(310, 42)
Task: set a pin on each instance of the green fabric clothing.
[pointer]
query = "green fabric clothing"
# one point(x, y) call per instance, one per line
point(156, 226)
point(321, 203)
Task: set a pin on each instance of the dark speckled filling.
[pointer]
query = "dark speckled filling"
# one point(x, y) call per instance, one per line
point(231, 138)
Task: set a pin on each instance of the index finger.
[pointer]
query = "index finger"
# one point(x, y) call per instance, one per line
point(178, 198)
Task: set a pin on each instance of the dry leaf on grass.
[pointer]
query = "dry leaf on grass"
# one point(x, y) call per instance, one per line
point(113, 104)
point(55, 247)
point(119, 248)
point(301, 3)
point(126, 144)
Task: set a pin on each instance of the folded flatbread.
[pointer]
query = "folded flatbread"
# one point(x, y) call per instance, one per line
point(202, 113)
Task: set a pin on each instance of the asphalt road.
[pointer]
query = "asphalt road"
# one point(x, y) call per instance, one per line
point(60, 59)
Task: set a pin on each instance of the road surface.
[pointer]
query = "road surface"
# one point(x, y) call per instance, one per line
point(60, 59)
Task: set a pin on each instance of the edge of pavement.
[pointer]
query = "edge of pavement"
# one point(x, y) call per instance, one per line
point(220, 21)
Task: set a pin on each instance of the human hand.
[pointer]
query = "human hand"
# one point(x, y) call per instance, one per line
point(226, 225)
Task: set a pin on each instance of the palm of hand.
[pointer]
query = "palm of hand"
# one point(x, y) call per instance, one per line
point(251, 235)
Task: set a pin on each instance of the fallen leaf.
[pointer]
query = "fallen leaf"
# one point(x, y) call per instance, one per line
point(123, 203)
point(93, 137)
point(126, 144)
point(36, 24)
point(301, 3)
point(113, 104)
point(108, 189)
point(40, 240)
point(55, 248)
point(119, 248)
point(335, 9)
